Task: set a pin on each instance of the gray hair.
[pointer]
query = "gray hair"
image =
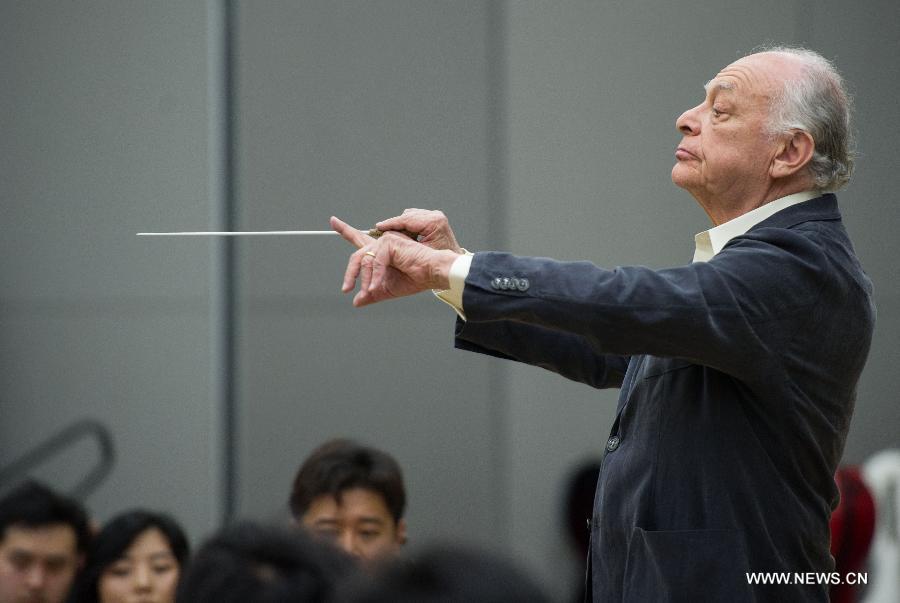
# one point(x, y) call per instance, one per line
point(817, 103)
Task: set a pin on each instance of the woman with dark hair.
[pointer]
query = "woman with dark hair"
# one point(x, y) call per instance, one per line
point(137, 556)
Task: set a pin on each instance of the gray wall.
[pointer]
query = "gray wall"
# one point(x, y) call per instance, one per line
point(103, 115)
point(359, 109)
point(541, 128)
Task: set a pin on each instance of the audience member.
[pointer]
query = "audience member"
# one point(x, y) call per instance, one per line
point(43, 537)
point(852, 528)
point(579, 505)
point(249, 563)
point(137, 556)
point(353, 496)
point(445, 575)
point(881, 474)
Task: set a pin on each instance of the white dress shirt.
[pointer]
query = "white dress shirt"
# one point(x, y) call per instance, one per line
point(710, 242)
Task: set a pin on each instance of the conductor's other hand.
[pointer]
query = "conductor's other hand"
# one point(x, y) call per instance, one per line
point(392, 266)
point(431, 224)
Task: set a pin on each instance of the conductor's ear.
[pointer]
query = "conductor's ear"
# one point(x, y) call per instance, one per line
point(795, 151)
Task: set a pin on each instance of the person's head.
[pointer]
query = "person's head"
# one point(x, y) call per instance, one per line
point(138, 556)
point(43, 537)
point(353, 496)
point(445, 575)
point(249, 563)
point(772, 123)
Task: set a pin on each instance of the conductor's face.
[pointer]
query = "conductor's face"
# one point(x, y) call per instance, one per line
point(726, 152)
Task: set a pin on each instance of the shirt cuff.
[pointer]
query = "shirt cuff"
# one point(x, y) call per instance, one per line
point(458, 273)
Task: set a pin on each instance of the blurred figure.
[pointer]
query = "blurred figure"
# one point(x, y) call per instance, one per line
point(445, 575)
point(579, 507)
point(138, 556)
point(882, 474)
point(353, 496)
point(43, 538)
point(248, 563)
point(852, 526)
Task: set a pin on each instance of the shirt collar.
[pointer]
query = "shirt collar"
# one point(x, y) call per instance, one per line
point(710, 242)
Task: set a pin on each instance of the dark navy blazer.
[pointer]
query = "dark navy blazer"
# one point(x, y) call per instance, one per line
point(738, 379)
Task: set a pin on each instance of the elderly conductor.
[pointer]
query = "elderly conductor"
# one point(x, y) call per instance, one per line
point(738, 372)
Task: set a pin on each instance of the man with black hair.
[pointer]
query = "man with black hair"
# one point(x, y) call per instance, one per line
point(43, 538)
point(445, 574)
point(251, 563)
point(353, 496)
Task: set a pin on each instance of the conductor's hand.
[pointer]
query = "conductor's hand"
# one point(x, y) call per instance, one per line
point(392, 266)
point(432, 225)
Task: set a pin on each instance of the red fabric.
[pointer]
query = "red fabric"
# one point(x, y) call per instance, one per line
point(852, 529)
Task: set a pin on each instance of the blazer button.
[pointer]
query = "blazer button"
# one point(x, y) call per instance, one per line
point(495, 284)
point(612, 443)
point(523, 284)
point(504, 283)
